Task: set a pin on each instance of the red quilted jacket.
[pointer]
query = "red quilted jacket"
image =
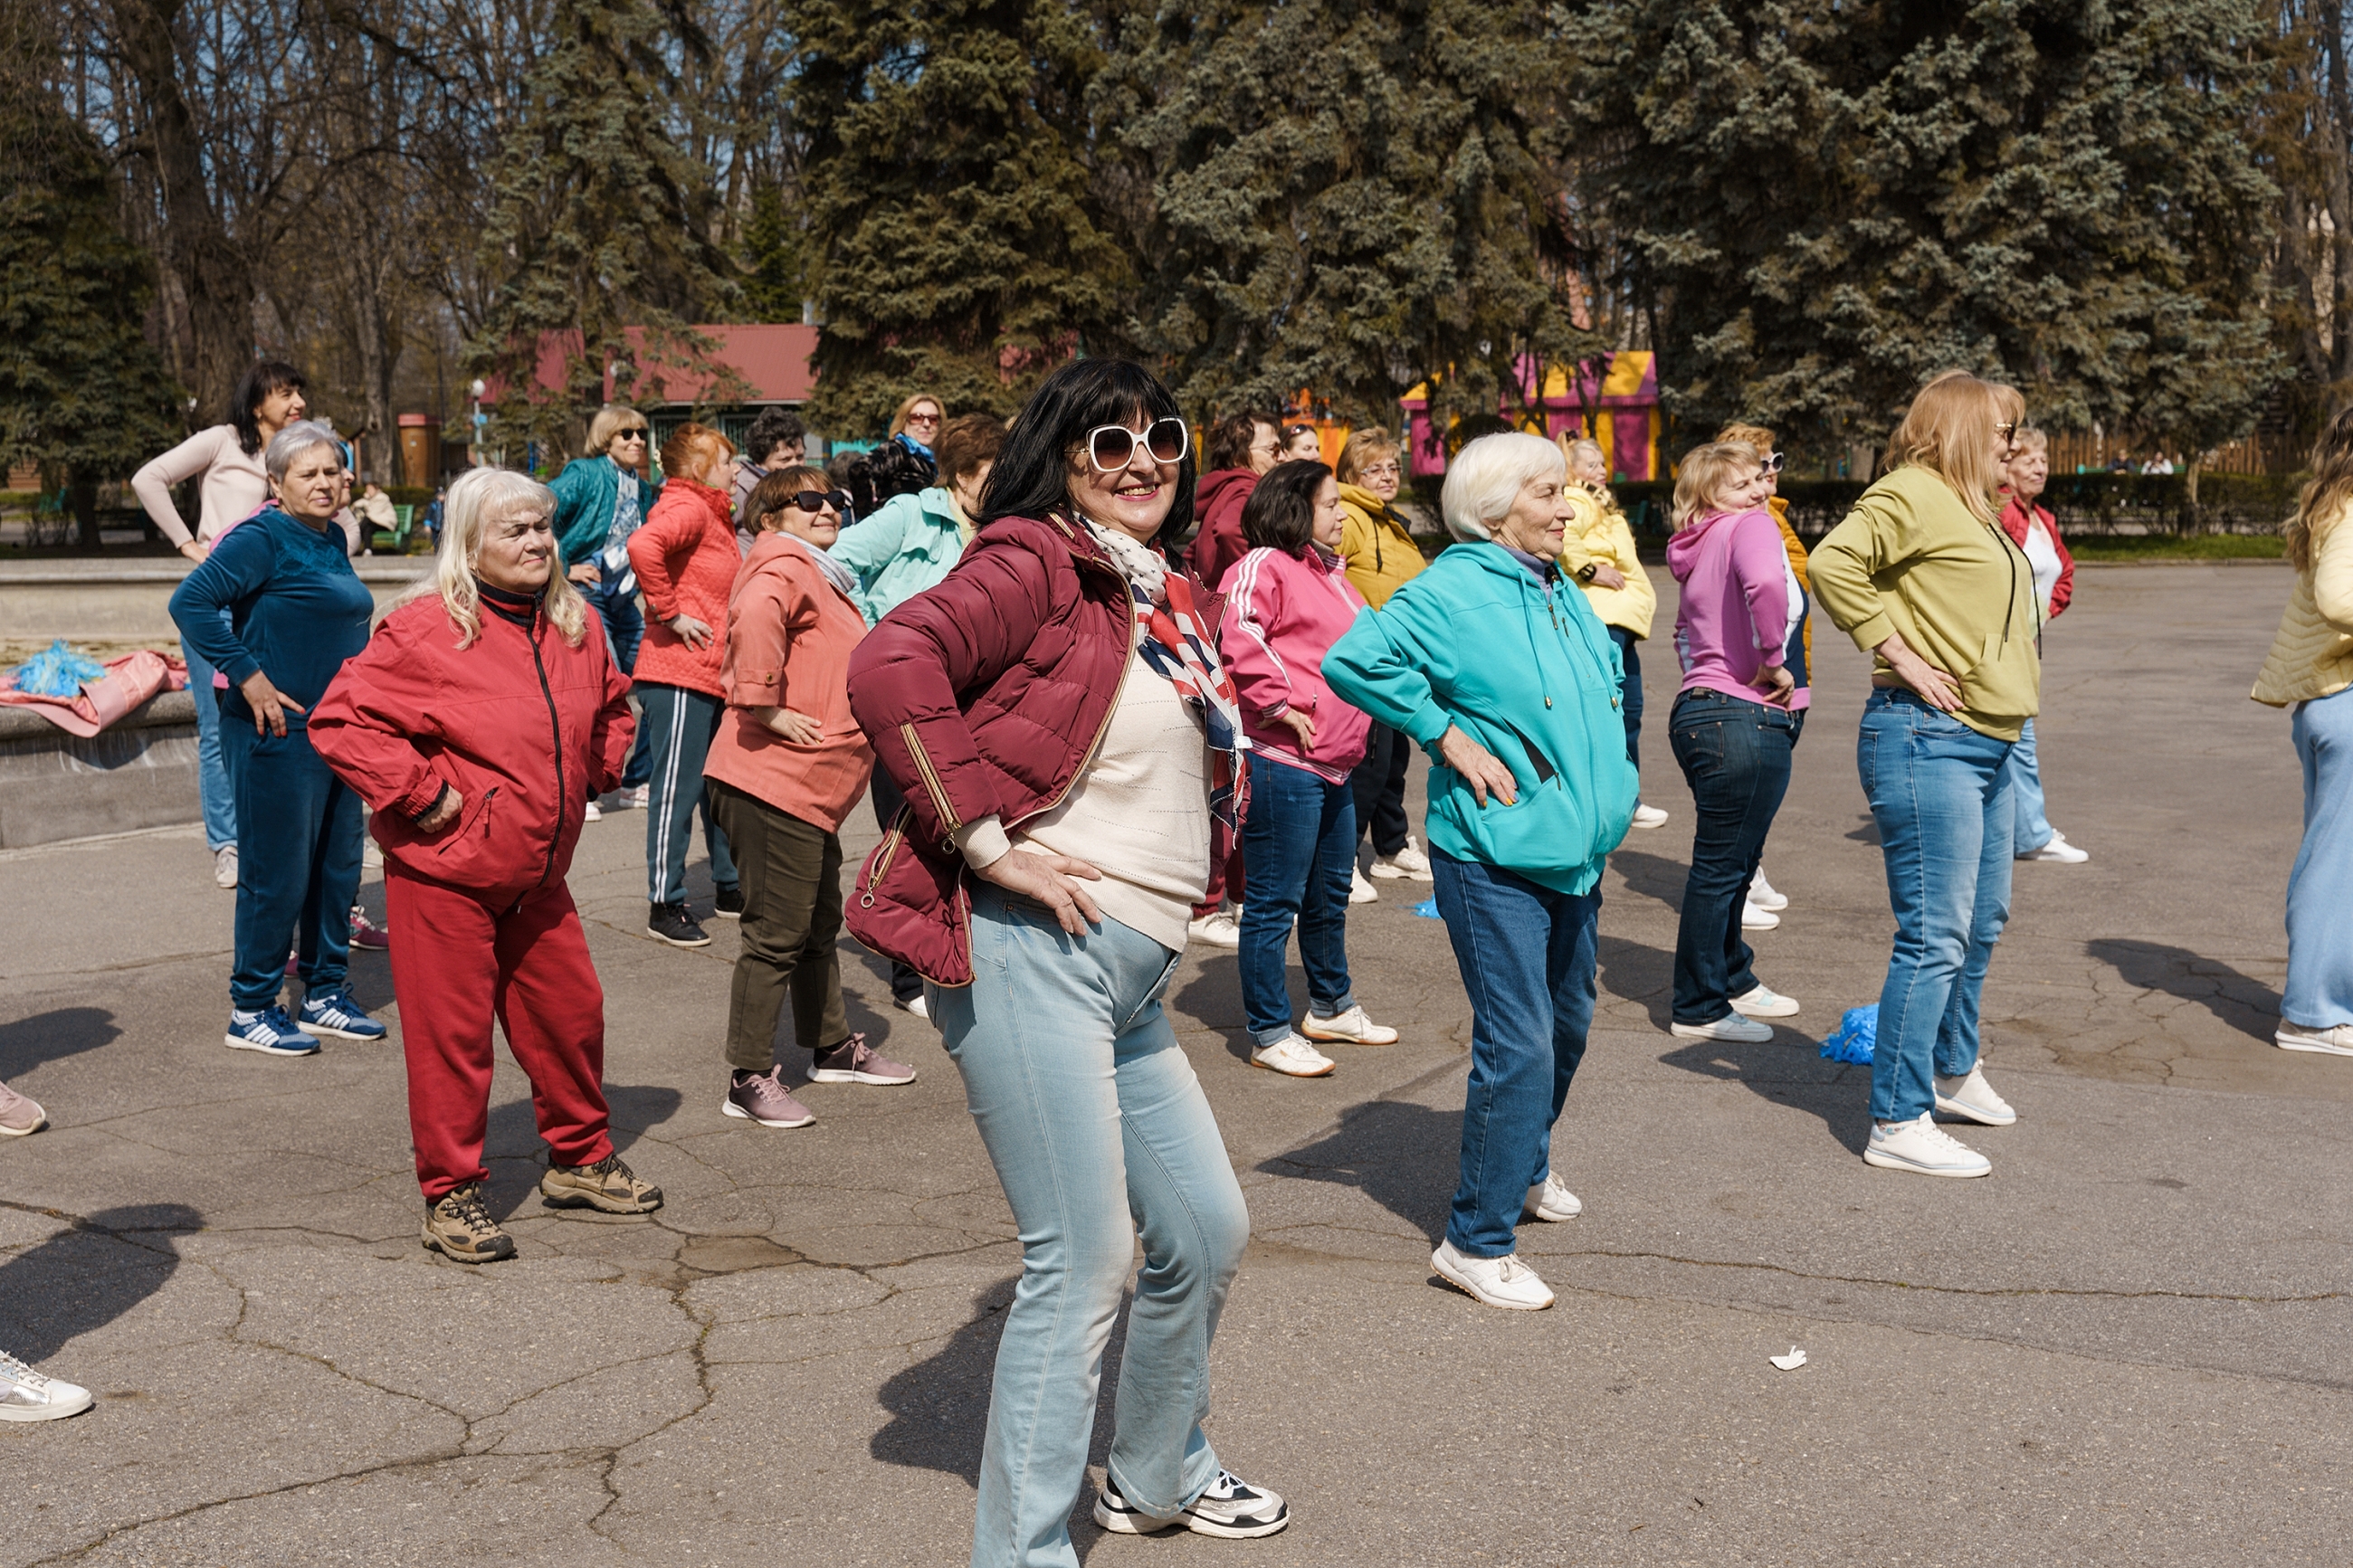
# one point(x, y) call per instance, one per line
point(983, 696)
point(686, 559)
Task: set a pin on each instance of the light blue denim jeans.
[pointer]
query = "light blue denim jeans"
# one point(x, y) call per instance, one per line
point(2320, 888)
point(1100, 1132)
point(2030, 829)
point(1940, 793)
point(213, 791)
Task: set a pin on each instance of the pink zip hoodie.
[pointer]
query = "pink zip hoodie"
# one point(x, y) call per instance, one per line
point(1737, 603)
point(1283, 614)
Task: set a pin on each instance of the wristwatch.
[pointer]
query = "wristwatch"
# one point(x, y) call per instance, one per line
point(1584, 572)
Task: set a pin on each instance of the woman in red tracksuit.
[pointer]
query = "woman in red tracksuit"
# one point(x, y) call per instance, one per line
point(478, 722)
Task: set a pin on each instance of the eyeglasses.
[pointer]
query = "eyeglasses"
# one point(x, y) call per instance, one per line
point(1381, 471)
point(817, 500)
point(923, 418)
point(1110, 447)
point(2008, 433)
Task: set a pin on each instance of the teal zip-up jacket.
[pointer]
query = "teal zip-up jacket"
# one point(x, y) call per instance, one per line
point(908, 545)
point(584, 492)
point(1528, 671)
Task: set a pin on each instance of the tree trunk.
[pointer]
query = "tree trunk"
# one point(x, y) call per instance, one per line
point(82, 493)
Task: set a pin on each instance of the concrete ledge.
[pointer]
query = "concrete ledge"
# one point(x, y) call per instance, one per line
point(139, 772)
point(127, 601)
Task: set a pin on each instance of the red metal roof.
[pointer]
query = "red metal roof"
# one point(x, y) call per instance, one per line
point(772, 358)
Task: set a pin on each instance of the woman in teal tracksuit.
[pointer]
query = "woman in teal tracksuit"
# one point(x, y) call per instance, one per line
point(1499, 669)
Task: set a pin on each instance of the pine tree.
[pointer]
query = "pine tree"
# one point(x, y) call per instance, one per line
point(955, 244)
point(1831, 200)
point(600, 223)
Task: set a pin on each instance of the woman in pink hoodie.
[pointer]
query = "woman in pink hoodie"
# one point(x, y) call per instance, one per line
point(1287, 602)
point(1734, 724)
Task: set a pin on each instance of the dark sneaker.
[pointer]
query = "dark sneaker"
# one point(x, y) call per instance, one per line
point(607, 1185)
point(727, 902)
point(674, 924)
point(852, 1061)
point(459, 1228)
point(1228, 1507)
point(270, 1032)
point(334, 1013)
point(762, 1097)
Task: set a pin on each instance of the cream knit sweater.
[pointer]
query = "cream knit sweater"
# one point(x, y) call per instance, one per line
point(2312, 655)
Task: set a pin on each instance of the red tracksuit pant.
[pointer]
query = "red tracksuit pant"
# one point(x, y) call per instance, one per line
point(457, 963)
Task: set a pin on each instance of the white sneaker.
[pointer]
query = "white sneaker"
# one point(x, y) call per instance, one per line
point(1216, 929)
point(1502, 1281)
point(1649, 815)
point(1974, 1098)
point(224, 866)
point(1228, 1507)
point(1409, 864)
point(2060, 851)
point(1548, 1200)
point(921, 1007)
point(1760, 1002)
point(1731, 1027)
point(1762, 894)
point(1753, 917)
point(26, 1395)
point(1349, 1028)
point(1361, 891)
point(1294, 1058)
point(594, 813)
point(625, 799)
point(2334, 1041)
point(1922, 1146)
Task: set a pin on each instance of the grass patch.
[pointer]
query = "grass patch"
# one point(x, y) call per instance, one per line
point(2183, 547)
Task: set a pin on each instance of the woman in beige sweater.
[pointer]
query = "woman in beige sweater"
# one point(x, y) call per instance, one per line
point(2310, 669)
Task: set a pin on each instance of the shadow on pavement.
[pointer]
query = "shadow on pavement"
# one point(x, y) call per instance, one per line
point(45, 1036)
point(1775, 1072)
point(1405, 1157)
point(1633, 972)
point(1653, 876)
point(2240, 1000)
point(515, 1156)
point(84, 1278)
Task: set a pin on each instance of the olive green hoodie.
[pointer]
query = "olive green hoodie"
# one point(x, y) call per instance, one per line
point(1911, 559)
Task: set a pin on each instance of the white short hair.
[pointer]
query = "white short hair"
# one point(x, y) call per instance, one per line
point(296, 440)
point(1485, 477)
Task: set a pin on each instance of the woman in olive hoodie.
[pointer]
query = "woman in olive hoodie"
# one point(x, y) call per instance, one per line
point(1922, 577)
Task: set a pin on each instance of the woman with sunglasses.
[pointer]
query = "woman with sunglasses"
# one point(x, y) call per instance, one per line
point(785, 768)
point(1301, 444)
point(1057, 715)
point(600, 501)
point(1922, 577)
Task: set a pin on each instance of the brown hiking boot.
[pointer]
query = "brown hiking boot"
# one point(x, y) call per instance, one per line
point(460, 1228)
point(606, 1185)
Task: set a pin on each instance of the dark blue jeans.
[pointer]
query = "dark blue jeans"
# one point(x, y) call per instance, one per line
point(1527, 958)
point(1736, 757)
point(1300, 843)
point(300, 842)
point(1629, 693)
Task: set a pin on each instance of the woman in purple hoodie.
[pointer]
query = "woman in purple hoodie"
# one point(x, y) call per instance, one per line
point(1737, 718)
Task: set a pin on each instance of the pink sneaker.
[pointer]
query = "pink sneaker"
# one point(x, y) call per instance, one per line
point(762, 1097)
point(19, 1115)
point(366, 933)
point(853, 1062)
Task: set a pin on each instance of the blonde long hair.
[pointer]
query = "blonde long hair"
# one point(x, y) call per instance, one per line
point(479, 498)
point(1950, 431)
point(1703, 472)
point(2320, 506)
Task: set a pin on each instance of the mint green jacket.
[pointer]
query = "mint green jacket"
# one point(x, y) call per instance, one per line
point(906, 546)
point(1529, 672)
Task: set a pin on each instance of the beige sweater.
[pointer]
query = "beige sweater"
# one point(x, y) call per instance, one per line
point(235, 487)
point(2311, 655)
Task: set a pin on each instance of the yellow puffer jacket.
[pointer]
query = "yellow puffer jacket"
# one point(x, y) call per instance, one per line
point(1795, 549)
point(1378, 548)
point(1601, 534)
point(2313, 653)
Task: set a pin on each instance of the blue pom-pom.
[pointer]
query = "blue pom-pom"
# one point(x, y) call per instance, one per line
point(1853, 1040)
point(57, 671)
point(1428, 910)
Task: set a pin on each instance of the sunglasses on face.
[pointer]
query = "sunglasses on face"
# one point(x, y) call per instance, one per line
point(2008, 433)
point(1292, 432)
point(1110, 447)
point(817, 500)
point(1771, 462)
point(636, 433)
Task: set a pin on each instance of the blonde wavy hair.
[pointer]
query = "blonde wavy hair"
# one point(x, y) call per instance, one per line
point(2321, 505)
point(1703, 475)
point(1950, 431)
point(480, 497)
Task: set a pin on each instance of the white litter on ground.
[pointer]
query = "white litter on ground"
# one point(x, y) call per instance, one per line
point(1790, 1363)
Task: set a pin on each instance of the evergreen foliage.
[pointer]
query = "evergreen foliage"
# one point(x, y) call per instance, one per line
point(954, 244)
point(1831, 200)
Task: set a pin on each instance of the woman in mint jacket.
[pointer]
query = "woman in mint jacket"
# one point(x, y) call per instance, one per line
point(1497, 668)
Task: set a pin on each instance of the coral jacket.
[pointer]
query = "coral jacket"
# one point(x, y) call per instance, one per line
point(790, 633)
point(686, 558)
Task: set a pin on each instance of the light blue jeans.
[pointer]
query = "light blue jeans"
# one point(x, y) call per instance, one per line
point(2030, 828)
point(1100, 1132)
point(213, 791)
point(1940, 793)
point(2320, 888)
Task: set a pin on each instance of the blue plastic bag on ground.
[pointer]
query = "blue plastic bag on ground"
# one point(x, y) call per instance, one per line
point(1857, 1032)
point(1428, 910)
point(57, 671)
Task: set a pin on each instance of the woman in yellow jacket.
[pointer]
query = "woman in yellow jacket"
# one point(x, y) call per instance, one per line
point(1599, 552)
point(2310, 669)
point(1381, 557)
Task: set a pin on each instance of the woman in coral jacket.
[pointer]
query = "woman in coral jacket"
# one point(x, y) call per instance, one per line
point(477, 723)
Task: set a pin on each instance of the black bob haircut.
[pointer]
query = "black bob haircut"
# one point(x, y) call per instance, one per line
point(1281, 511)
point(1033, 476)
point(260, 379)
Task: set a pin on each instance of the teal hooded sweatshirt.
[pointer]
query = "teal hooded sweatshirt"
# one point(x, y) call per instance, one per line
point(1528, 671)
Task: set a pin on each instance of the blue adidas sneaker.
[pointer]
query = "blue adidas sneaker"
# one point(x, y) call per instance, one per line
point(334, 1013)
point(270, 1032)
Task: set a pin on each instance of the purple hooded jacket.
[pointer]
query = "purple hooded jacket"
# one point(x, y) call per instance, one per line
point(1738, 596)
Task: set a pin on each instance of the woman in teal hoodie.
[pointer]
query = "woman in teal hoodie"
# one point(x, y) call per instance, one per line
point(1500, 671)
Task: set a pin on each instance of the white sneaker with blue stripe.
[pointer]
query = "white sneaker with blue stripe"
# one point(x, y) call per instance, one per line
point(270, 1032)
point(334, 1013)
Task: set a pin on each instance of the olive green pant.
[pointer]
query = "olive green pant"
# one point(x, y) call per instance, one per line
point(791, 873)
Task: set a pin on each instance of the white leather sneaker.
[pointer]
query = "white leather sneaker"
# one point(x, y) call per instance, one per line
point(1972, 1097)
point(2334, 1041)
point(1756, 918)
point(1923, 1147)
point(1649, 815)
point(1762, 894)
point(1409, 863)
point(1760, 1002)
point(1216, 929)
point(26, 1395)
point(1502, 1281)
point(1361, 891)
point(2058, 851)
point(1548, 1200)
point(1349, 1028)
point(1293, 1058)
point(1731, 1027)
